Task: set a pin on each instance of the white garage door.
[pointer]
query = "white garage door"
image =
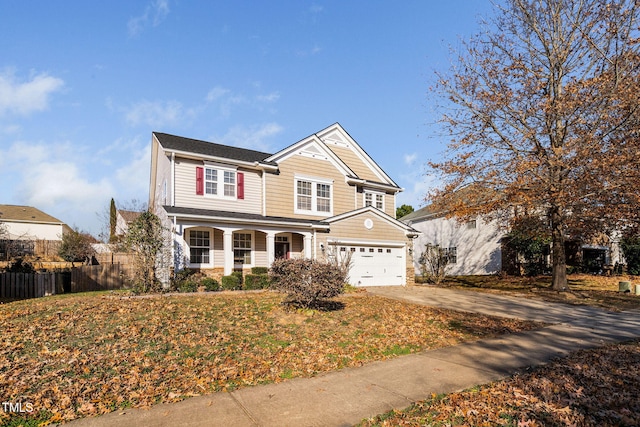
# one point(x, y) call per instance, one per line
point(376, 265)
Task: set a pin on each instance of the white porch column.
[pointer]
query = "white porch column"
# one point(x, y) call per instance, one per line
point(307, 245)
point(227, 246)
point(271, 255)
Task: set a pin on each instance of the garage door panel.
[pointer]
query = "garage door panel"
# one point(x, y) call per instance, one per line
point(380, 267)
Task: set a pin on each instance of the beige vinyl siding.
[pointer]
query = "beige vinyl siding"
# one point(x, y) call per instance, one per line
point(260, 249)
point(280, 197)
point(186, 190)
point(218, 248)
point(353, 228)
point(389, 203)
point(163, 172)
point(355, 163)
point(297, 246)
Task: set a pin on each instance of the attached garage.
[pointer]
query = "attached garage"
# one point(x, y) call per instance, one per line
point(377, 244)
point(376, 265)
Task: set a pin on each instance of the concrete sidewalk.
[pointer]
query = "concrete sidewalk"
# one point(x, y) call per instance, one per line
point(347, 396)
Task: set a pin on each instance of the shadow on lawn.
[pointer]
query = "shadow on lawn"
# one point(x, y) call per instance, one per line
point(319, 305)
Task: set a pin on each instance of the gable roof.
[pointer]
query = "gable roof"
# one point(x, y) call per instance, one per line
point(312, 146)
point(196, 146)
point(426, 212)
point(332, 135)
point(410, 231)
point(26, 214)
point(128, 216)
point(338, 140)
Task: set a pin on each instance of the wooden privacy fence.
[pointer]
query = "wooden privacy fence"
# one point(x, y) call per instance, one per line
point(27, 285)
point(98, 277)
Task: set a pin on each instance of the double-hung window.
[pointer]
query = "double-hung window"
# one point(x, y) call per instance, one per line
point(452, 254)
point(374, 199)
point(199, 244)
point(242, 248)
point(219, 181)
point(229, 184)
point(313, 196)
point(211, 181)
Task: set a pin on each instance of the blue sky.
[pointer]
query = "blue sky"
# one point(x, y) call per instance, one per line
point(83, 84)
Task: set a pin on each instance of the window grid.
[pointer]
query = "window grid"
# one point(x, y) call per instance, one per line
point(199, 241)
point(323, 194)
point(229, 184)
point(242, 248)
point(368, 199)
point(313, 197)
point(211, 181)
point(304, 195)
point(379, 201)
point(452, 254)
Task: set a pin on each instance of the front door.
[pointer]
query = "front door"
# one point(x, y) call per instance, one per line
point(282, 250)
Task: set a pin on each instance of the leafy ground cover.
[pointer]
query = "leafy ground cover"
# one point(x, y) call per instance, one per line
point(597, 387)
point(72, 356)
point(584, 289)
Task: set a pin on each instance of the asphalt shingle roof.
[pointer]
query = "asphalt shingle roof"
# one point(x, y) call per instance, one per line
point(173, 142)
point(175, 210)
point(25, 213)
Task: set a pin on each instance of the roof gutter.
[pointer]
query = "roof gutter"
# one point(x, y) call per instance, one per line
point(254, 164)
point(365, 183)
point(209, 218)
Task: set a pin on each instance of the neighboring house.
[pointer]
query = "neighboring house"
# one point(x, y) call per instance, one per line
point(232, 208)
point(26, 230)
point(474, 247)
point(123, 221)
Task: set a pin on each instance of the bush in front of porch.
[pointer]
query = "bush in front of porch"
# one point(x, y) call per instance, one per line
point(307, 282)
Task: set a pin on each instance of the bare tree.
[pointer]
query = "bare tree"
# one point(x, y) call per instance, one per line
point(542, 109)
point(433, 262)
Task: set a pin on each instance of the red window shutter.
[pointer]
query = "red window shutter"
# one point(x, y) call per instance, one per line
point(240, 177)
point(200, 181)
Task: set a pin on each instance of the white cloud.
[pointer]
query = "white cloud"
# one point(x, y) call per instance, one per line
point(26, 97)
point(157, 114)
point(154, 14)
point(216, 93)
point(133, 178)
point(309, 52)
point(227, 101)
point(268, 98)
point(409, 159)
point(69, 183)
point(253, 137)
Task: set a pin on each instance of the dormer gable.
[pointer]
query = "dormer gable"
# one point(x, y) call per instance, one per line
point(349, 151)
point(312, 147)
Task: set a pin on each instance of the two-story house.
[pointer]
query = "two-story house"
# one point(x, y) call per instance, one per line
point(232, 208)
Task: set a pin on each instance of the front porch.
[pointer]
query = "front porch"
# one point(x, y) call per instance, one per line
point(218, 250)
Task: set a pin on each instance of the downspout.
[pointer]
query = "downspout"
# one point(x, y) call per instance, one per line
point(173, 179)
point(315, 245)
point(264, 192)
point(173, 242)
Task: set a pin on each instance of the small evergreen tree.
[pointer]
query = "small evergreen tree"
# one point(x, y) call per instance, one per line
point(113, 220)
